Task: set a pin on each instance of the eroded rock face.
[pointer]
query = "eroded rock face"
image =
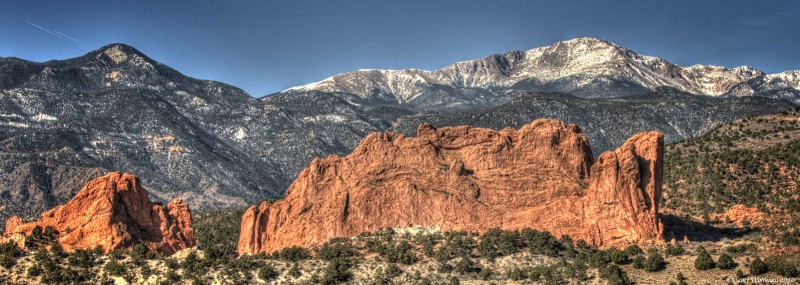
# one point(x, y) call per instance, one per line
point(740, 213)
point(461, 178)
point(114, 211)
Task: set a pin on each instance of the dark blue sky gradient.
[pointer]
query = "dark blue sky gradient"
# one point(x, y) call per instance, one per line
point(265, 47)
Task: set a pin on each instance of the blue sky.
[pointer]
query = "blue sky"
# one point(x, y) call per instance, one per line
point(267, 46)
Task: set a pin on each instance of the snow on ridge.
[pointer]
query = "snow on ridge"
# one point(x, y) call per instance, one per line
point(583, 57)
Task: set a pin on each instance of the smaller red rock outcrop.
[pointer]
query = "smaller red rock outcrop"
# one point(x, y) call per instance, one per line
point(114, 212)
point(739, 213)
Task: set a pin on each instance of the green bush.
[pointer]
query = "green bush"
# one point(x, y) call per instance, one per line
point(517, 274)
point(725, 261)
point(56, 249)
point(392, 271)
point(597, 258)
point(268, 272)
point(36, 233)
point(758, 267)
point(172, 277)
point(81, 258)
point(114, 268)
point(337, 271)
point(403, 252)
point(704, 261)
point(617, 256)
point(336, 248)
point(34, 270)
point(614, 275)
point(633, 250)
point(192, 263)
point(638, 262)
point(6, 261)
point(781, 266)
point(541, 242)
point(674, 250)
point(139, 251)
point(466, 265)
point(50, 233)
point(654, 262)
point(294, 254)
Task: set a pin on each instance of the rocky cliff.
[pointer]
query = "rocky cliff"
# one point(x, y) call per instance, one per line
point(461, 178)
point(114, 211)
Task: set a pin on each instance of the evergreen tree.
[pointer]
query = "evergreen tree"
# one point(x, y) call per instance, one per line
point(704, 261)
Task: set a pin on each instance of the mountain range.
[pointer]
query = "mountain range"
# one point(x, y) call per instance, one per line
point(65, 122)
point(584, 67)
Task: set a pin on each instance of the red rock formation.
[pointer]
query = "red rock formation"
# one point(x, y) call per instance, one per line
point(462, 178)
point(739, 213)
point(13, 223)
point(114, 211)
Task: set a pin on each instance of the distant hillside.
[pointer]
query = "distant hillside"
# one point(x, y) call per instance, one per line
point(754, 161)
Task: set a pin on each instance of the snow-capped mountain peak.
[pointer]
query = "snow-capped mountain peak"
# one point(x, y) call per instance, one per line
point(586, 67)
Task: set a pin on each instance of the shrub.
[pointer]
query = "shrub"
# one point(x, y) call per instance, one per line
point(294, 254)
point(633, 250)
point(675, 250)
point(333, 249)
point(617, 256)
point(81, 258)
point(294, 271)
point(392, 271)
point(725, 261)
point(34, 270)
point(403, 253)
point(654, 262)
point(6, 261)
point(638, 262)
point(172, 277)
point(50, 233)
point(517, 274)
point(597, 259)
point(36, 233)
point(614, 275)
point(781, 266)
point(192, 263)
point(268, 272)
point(704, 261)
point(541, 242)
point(444, 267)
point(139, 251)
point(681, 279)
point(337, 271)
point(758, 267)
point(114, 268)
point(740, 273)
point(466, 265)
point(56, 249)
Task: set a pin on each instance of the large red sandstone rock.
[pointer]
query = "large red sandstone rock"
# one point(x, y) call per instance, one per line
point(114, 211)
point(461, 178)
